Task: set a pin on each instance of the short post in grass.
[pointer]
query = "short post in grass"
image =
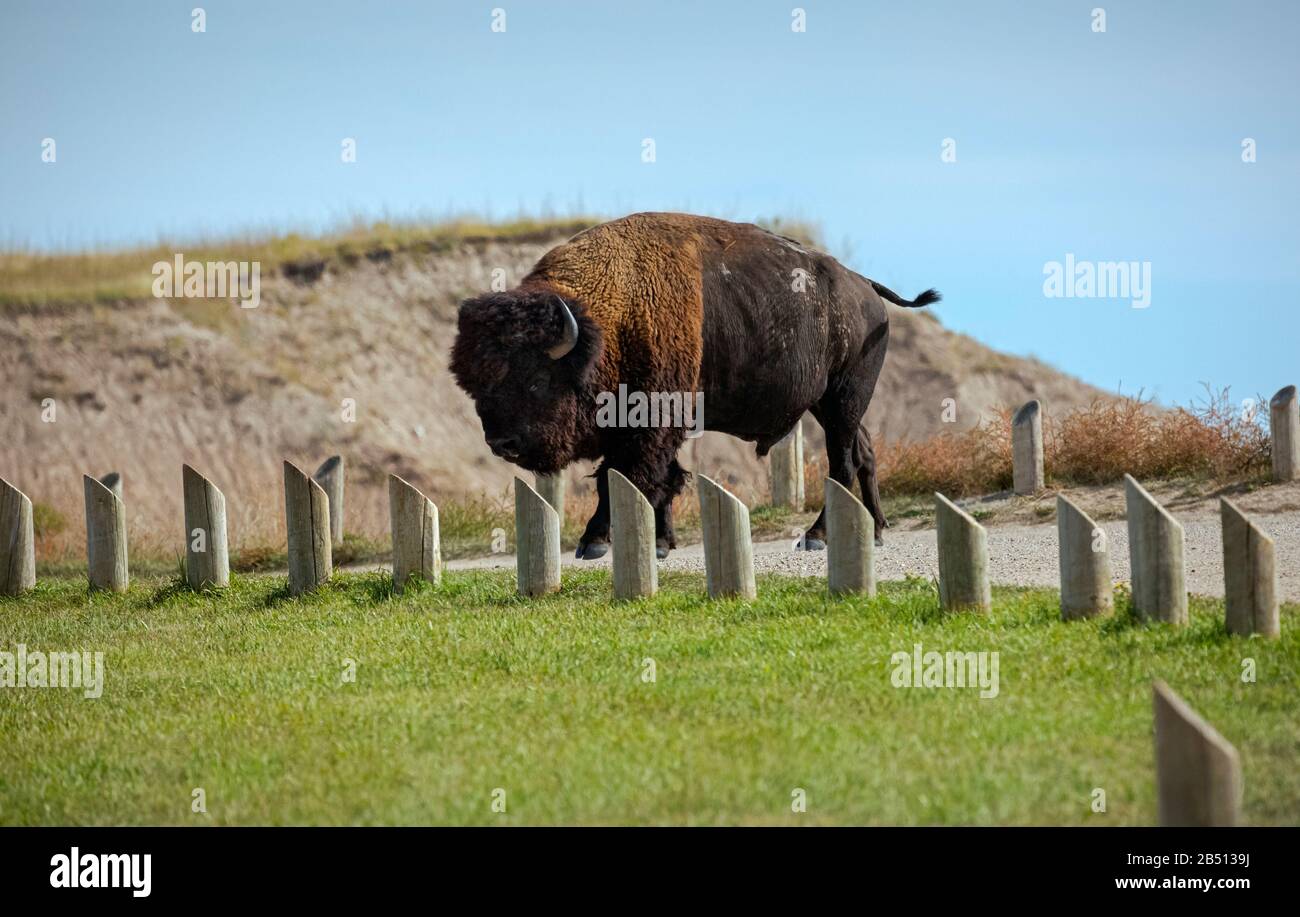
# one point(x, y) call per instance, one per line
point(1084, 555)
point(551, 489)
point(850, 543)
point(1027, 449)
point(207, 558)
point(113, 481)
point(1156, 557)
point(1284, 424)
point(785, 467)
point(414, 521)
point(17, 542)
point(1198, 772)
point(307, 519)
point(728, 552)
point(632, 533)
point(1249, 575)
point(330, 478)
point(105, 537)
point(963, 559)
point(537, 542)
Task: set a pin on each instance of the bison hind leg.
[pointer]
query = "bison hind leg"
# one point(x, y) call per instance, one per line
point(865, 458)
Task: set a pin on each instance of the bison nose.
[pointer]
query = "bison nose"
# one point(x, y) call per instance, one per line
point(504, 445)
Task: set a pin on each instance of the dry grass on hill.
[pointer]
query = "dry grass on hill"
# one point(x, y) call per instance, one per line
point(41, 279)
point(1095, 444)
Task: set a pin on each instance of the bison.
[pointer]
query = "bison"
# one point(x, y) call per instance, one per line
point(765, 327)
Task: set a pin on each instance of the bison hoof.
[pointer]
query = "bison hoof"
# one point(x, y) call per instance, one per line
point(813, 544)
point(591, 551)
point(880, 542)
point(661, 552)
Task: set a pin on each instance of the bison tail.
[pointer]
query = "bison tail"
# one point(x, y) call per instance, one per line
point(925, 299)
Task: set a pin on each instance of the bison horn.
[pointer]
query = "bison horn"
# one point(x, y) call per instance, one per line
point(570, 338)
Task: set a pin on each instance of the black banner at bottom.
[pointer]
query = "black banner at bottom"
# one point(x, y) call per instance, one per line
point(335, 865)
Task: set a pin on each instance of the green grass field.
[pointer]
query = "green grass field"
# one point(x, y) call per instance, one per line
point(466, 689)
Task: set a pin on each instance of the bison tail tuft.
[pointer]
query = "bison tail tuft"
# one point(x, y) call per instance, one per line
point(925, 299)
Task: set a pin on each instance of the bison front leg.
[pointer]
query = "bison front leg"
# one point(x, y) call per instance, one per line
point(665, 537)
point(595, 538)
point(655, 473)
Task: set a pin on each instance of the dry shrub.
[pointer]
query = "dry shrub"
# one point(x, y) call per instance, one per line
point(1096, 444)
point(1214, 441)
point(971, 461)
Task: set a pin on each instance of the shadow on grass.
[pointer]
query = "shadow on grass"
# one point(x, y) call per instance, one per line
point(171, 590)
point(278, 596)
point(1205, 625)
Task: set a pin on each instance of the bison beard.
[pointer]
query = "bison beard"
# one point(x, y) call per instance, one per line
point(766, 328)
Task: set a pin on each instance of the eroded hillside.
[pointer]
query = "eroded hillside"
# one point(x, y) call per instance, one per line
point(141, 385)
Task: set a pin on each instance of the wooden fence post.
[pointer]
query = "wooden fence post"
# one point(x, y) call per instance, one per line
point(551, 488)
point(1155, 550)
point(307, 519)
point(330, 478)
point(728, 552)
point(1249, 575)
point(1027, 449)
point(414, 521)
point(113, 481)
point(850, 543)
point(105, 537)
point(785, 467)
point(537, 542)
point(963, 559)
point(17, 542)
point(1284, 428)
point(1198, 772)
point(632, 533)
point(207, 558)
point(1084, 555)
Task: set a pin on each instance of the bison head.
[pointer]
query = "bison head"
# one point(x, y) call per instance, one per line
point(526, 357)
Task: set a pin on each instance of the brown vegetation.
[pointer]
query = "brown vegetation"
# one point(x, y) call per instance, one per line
point(1094, 444)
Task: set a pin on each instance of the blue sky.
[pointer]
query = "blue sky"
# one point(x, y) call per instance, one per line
point(1115, 146)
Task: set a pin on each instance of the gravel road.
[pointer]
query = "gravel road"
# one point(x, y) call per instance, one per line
point(1018, 555)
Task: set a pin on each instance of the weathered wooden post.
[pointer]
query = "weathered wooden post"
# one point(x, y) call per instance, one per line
point(105, 537)
point(850, 543)
point(17, 541)
point(1249, 575)
point(1155, 551)
point(1027, 449)
point(728, 552)
point(113, 481)
point(1084, 562)
point(330, 478)
point(632, 533)
point(1284, 425)
point(550, 487)
point(537, 542)
point(963, 559)
point(207, 559)
point(307, 519)
point(785, 467)
point(414, 520)
point(1198, 772)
